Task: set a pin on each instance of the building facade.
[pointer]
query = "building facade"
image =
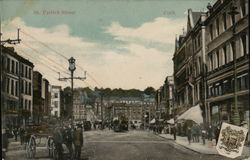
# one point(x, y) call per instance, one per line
point(38, 101)
point(26, 91)
point(46, 97)
point(184, 65)
point(16, 88)
point(226, 37)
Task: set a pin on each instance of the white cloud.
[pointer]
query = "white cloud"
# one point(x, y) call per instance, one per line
point(161, 30)
point(137, 66)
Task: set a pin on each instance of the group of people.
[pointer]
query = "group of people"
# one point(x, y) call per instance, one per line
point(72, 137)
point(194, 133)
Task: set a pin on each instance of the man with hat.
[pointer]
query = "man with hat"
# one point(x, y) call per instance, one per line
point(78, 141)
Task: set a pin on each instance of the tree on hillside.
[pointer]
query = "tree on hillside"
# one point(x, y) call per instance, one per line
point(149, 91)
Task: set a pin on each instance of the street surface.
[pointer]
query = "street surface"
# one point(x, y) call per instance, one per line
point(131, 145)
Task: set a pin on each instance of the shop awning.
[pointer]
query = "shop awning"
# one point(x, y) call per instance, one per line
point(152, 121)
point(193, 113)
point(171, 121)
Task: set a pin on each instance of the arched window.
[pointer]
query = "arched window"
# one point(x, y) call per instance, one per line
point(243, 45)
point(225, 54)
point(218, 58)
point(215, 60)
point(211, 66)
point(230, 57)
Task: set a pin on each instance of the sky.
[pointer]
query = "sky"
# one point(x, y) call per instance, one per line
point(120, 43)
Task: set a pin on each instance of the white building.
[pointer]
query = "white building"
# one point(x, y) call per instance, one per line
point(56, 100)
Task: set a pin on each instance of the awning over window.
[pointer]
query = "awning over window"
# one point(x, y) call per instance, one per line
point(193, 113)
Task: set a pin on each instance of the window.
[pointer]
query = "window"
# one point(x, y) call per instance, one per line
point(243, 44)
point(29, 105)
point(17, 68)
point(26, 72)
point(21, 103)
point(56, 113)
point(225, 54)
point(12, 66)
point(26, 104)
point(8, 85)
point(243, 7)
point(56, 104)
point(224, 86)
point(232, 46)
point(29, 89)
point(243, 82)
point(22, 70)
point(56, 95)
point(12, 87)
point(218, 58)
point(8, 64)
point(225, 21)
point(211, 62)
point(21, 86)
point(26, 87)
point(29, 73)
point(16, 88)
point(218, 26)
point(211, 31)
point(215, 60)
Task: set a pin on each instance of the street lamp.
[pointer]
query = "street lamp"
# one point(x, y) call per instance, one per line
point(72, 68)
point(235, 110)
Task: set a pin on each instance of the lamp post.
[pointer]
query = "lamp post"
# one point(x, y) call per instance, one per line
point(235, 110)
point(72, 68)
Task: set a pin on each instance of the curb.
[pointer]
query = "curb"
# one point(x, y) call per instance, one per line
point(241, 157)
point(187, 147)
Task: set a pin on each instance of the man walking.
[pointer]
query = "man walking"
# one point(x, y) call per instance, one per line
point(21, 134)
point(69, 140)
point(58, 139)
point(78, 141)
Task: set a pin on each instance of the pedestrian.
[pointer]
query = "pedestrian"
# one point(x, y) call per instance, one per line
point(78, 142)
point(203, 134)
point(210, 133)
point(58, 139)
point(69, 140)
point(15, 132)
point(5, 143)
point(189, 136)
point(193, 133)
point(21, 134)
point(197, 133)
point(174, 132)
point(217, 133)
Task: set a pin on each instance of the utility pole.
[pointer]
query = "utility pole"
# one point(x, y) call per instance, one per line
point(72, 68)
point(101, 93)
point(235, 116)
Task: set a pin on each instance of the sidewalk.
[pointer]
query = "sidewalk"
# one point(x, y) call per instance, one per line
point(208, 148)
point(15, 145)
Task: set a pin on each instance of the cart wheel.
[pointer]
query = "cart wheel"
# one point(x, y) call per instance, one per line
point(31, 148)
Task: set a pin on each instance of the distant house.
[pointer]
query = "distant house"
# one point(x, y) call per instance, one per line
point(56, 101)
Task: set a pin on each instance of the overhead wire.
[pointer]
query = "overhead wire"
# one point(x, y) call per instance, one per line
point(50, 59)
point(91, 77)
point(35, 59)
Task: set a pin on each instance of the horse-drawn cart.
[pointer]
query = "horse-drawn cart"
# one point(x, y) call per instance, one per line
point(41, 135)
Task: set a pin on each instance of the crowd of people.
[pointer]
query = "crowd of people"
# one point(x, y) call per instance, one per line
point(72, 137)
point(63, 134)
